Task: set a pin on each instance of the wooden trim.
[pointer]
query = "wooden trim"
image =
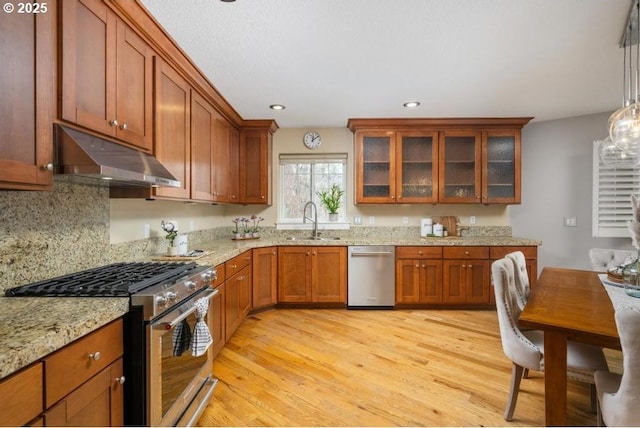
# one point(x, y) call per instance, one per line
point(439, 123)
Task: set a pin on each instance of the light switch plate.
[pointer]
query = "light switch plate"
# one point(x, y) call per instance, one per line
point(357, 219)
point(570, 222)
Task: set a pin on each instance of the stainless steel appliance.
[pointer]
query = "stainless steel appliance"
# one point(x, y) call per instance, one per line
point(371, 277)
point(167, 382)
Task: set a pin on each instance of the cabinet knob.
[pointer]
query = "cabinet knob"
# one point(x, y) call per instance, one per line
point(417, 265)
point(262, 197)
point(470, 266)
point(314, 253)
point(423, 266)
point(120, 380)
point(308, 253)
point(477, 196)
point(233, 266)
point(95, 356)
point(273, 254)
point(123, 126)
point(48, 167)
point(114, 122)
point(464, 266)
point(420, 252)
point(466, 253)
point(393, 197)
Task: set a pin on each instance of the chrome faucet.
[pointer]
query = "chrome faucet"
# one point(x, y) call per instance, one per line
point(314, 219)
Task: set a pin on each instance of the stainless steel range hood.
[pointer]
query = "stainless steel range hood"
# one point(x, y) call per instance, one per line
point(90, 156)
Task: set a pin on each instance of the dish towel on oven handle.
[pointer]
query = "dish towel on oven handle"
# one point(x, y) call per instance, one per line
point(181, 338)
point(201, 339)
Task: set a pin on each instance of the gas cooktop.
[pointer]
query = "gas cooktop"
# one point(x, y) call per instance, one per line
point(114, 280)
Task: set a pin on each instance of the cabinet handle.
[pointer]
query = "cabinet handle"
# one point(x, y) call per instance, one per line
point(114, 122)
point(120, 380)
point(123, 126)
point(95, 356)
point(233, 266)
point(48, 167)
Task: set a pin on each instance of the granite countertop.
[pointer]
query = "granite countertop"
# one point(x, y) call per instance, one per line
point(224, 249)
point(33, 327)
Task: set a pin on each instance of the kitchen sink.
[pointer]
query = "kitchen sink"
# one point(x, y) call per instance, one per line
point(313, 238)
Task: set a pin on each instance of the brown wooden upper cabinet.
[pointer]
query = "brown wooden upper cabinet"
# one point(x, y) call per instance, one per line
point(256, 141)
point(106, 74)
point(27, 86)
point(397, 167)
point(438, 160)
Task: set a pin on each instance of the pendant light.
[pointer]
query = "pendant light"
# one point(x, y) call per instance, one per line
point(624, 124)
point(613, 156)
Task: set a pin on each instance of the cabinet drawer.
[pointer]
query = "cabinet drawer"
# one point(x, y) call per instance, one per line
point(238, 262)
point(221, 276)
point(500, 252)
point(466, 252)
point(69, 367)
point(21, 396)
point(418, 252)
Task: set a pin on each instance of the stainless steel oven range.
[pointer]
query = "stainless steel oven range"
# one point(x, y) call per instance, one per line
point(167, 357)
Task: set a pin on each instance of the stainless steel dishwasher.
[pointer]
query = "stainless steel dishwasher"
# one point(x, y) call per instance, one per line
point(371, 277)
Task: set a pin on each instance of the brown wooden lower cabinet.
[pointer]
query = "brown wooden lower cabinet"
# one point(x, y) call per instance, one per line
point(237, 298)
point(312, 274)
point(22, 396)
point(452, 276)
point(418, 275)
point(98, 402)
point(265, 277)
point(73, 386)
point(217, 325)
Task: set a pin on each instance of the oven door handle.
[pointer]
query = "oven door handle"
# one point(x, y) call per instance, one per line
point(169, 325)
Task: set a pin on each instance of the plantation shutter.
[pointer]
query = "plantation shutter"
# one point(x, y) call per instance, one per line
point(612, 190)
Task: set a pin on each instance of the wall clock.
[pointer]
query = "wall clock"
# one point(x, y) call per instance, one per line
point(312, 140)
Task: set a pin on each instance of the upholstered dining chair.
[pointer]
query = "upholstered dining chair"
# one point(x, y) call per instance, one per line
point(619, 395)
point(523, 288)
point(603, 258)
point(525, 349)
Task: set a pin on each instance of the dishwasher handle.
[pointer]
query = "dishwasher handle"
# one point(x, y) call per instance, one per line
point(370, 253)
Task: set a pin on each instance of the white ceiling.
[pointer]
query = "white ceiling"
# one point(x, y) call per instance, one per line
point(331, 60)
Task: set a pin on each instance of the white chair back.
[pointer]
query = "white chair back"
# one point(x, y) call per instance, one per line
point(621, 408)
point(602, 258)
point(523, 288)
point(516, 346)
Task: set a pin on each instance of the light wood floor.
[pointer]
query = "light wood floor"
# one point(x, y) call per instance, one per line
point(375, 368)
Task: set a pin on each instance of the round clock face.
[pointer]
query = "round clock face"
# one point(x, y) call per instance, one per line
point(312, 140)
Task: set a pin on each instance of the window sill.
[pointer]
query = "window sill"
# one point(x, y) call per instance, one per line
point(334, 225)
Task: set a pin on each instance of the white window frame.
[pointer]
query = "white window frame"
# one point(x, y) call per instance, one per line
point(611, 203)
point(294, 223)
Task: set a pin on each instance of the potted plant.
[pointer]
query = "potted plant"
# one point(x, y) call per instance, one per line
point(331, 199)
point(235, 231)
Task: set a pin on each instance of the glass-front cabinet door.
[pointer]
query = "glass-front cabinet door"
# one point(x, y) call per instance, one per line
point(460, 167)
point(417, 167)
point(375, 154)
point(501, 172)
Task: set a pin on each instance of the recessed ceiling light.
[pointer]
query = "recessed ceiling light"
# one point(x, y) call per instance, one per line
point(411, 104)
point(277, 107)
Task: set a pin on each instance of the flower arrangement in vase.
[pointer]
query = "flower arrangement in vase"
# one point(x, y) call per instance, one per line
point(171, 227)
point(246, 227)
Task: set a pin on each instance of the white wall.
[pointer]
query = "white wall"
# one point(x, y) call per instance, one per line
point(557, 182)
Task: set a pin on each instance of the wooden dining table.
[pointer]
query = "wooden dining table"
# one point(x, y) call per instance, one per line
point(567, 304)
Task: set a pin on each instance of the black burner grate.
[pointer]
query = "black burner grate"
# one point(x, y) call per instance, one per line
point(115, 280)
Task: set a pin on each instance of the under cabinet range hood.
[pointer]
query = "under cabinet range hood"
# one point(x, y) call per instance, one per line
point(90, 156)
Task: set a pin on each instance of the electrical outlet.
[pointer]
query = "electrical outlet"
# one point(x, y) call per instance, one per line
point(472, 219)
point(147, 230)
point(372, 220)
point(405, 220)
point(357, 219)
point(570, 222)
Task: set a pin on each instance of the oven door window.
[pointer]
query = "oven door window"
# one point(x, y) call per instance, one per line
point(179, 368)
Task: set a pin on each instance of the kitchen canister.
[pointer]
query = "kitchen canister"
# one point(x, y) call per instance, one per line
point(426, 226)
point(438, 229)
